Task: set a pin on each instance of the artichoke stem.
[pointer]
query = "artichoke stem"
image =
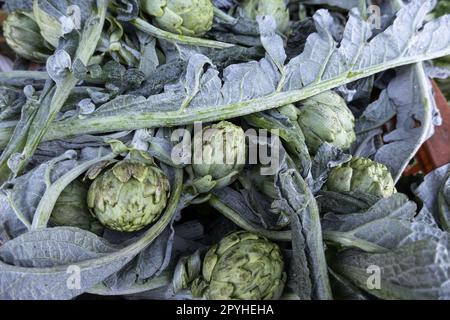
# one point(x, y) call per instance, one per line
point(224, 16)
point(146, 27)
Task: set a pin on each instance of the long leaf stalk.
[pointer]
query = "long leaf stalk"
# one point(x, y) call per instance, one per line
point(150, 29)
point(147, 119)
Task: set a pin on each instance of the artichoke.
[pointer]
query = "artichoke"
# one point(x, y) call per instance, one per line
point(219, 150)
point(362, 175)
point(326, 118)
point(129, 196)
point(23, 36)
point(242, 266)
point(71, 209)
point(186, 17)
point(276, 8)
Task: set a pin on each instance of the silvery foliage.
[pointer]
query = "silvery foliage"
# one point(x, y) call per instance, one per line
point(357, 55)
point(402, 143)
point(64, 262)
point(11, 5)
point(386, 236)
point(435, 195)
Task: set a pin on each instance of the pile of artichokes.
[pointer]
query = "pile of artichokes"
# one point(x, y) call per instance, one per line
point(131, 195)
point(130, 192)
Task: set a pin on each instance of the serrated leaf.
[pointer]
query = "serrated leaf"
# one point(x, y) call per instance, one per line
point(418, 270)
point(252, 87)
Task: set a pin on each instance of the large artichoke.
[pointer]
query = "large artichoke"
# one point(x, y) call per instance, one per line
point(219, 150)
point(71, 209)
point(362, 175)
point(242, 266)
point(186, 17)
point(129, 196)
point(326, 118)
point(23, 36)
point(276, 8)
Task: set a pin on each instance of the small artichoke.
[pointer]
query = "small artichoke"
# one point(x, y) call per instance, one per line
point(242, 266)
point(276, 8)
point(129, 196)
point(219, 150)
point(71, 209)
point(362, 175)
point(326, 118)
point(186, 17)
point(23, 36)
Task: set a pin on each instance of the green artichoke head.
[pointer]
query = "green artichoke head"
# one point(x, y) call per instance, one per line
point(129, 196)
point(326, 118)
point(242, 266)
point(362, 175)
point(275, 8)
point(71, 209)
point(186, 17)
point(23, 36)
point(219, 150)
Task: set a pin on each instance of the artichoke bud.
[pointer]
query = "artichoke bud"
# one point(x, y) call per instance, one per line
point(71, 209)
point(23, 35)
point(326, 118)
point(275, 8)
point(129, 196)
point(186, 17)
point(362, 175)
point(219, 151)
point(242, 266)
